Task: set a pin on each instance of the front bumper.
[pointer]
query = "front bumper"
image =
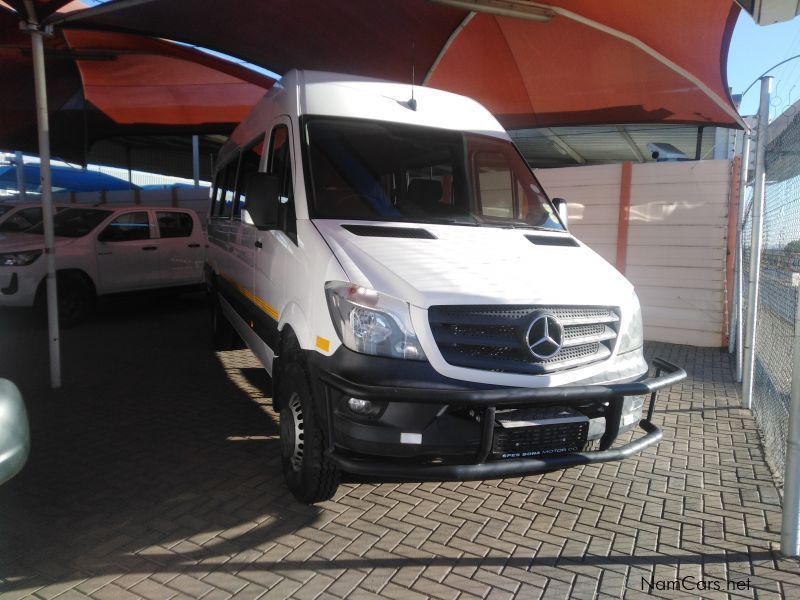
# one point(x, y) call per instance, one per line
point(18, 286)
point(375, 448)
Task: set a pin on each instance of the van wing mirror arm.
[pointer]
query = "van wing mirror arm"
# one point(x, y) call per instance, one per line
point(561, 206)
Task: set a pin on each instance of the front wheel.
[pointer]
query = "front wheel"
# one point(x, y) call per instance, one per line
point(75, 298)
point(310, 476)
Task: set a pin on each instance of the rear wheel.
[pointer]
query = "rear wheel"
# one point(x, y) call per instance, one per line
point(310, 476)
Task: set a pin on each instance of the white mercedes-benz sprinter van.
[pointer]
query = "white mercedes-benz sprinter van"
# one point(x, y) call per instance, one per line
point(416, 297)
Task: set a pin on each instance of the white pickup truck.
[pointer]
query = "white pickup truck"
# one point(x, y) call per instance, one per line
point(103, 250)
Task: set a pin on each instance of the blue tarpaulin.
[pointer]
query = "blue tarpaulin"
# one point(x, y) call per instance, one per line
point(64, 178)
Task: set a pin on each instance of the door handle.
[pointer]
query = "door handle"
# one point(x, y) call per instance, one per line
point(259, 244)
point(149, 247)
point(104, 253)
point(194, 245)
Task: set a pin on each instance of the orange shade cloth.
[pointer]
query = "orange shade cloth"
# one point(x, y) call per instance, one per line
point(566, 72)
point(150, 81)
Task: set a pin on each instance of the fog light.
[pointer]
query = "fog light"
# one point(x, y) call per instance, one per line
point(362, 407)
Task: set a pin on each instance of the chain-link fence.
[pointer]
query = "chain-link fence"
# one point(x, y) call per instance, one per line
point(778, 289)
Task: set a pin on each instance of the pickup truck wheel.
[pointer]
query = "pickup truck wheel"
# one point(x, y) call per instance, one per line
point(74, 299)
point(309, 475)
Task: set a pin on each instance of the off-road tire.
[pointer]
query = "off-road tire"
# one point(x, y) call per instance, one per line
point(309, 475)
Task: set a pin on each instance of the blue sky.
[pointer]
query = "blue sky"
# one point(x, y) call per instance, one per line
point(754, 49)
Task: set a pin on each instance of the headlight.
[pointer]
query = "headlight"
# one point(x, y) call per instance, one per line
point(631, 333)
point(19, 259)
point(372, 323)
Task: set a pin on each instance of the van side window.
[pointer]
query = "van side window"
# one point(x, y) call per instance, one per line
point(227, 189)
point(280, 164)
point(215, 193)
point(248, 164)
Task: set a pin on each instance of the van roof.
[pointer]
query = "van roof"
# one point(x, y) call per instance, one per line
point(340, 95)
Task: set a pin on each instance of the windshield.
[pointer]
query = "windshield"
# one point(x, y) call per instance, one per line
point(74, 222)
point(379, 171)
point(24, 219)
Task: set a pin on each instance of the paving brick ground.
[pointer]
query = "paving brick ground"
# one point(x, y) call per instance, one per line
point(155, 474)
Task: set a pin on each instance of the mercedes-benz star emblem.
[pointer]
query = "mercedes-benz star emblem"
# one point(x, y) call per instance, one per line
point(545, 336)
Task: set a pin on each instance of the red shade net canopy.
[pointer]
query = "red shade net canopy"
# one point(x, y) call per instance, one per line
point(561, 62)
point(105, 84)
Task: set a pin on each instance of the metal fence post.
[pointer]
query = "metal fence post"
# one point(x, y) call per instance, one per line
point(759, 187)
point(790, 528)
point(739, 264)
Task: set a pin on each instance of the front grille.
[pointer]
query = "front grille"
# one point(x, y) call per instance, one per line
point(537, 432)
point(492, 338)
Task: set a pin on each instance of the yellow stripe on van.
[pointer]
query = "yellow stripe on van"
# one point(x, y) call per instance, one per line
point(323, 344)
point(259, 302)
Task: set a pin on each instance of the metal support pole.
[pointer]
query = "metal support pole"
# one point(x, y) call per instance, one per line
point(739, 265)
point(43, 126)
point(128, 164)
point(196, 160)
point(698, 150)
point(759, 188)
point(19, 162)
point(790, 528)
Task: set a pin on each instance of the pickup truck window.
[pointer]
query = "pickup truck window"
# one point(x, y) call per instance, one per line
point(74, 222)
point(371, 170)
point(127, 227)
point(174, 224)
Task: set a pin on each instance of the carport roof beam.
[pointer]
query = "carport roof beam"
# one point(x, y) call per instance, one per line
point(631, 144)
point(562, 145)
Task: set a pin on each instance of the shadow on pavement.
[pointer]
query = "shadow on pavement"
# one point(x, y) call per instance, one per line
point(151, 439)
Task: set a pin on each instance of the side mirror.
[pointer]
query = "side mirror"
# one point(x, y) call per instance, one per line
point(262, 194)
point(107, 235)
point(561, 207)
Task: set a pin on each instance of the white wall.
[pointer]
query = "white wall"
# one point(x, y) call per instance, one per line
point(677, 238)
point(196, 198)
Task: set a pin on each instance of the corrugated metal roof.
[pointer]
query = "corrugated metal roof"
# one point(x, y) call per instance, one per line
point(602, 144)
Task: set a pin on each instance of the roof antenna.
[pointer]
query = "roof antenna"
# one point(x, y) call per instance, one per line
point(412, 104)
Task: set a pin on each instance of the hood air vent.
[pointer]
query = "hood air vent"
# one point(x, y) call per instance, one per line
point(548, 240)
point(395, 232)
